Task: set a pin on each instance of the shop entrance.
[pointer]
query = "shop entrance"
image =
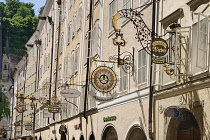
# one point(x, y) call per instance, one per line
point(82, 137)
point(188, 128)
point(136, 133)
point(185, 127)
point(110, 134)
point(92, 137)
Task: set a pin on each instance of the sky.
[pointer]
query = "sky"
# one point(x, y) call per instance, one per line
point(38, 4)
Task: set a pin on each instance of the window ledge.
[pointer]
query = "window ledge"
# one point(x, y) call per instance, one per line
point(172, 17)
point(194, 4)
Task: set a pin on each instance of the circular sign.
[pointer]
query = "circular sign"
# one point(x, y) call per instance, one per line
point(103, 79)
point(70, 93)
point(159, 47)
point(172, 111)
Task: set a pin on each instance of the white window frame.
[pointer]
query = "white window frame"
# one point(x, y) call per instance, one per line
point(142, 2)
point(76, 59)
point(111, 14)
point(123, 80)
point(143, 58)
point(96, 50)
point(204, 36)
point(61, 44)
point(69, 32)
point(85, 55)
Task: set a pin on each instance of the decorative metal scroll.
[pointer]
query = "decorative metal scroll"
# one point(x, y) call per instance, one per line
point(143, 34)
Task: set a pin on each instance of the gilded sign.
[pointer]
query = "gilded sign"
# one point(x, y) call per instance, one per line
point(53, 108)
point(159, 47)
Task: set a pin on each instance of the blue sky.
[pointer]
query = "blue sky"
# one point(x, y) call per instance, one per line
point(38, 4)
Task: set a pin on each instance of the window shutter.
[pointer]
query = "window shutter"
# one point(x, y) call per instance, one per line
point(183, 53)
point(203, 41)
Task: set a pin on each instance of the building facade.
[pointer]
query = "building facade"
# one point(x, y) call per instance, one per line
point(73, 40)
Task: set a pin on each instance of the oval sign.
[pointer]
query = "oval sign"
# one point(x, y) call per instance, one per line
point(172, 111)
point(53, 108)
point(70, 93)
point(159, 47)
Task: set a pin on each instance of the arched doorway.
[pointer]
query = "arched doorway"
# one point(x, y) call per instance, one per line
point(185, 127)
point(92, 137)
point(136, 133)
point(110, 134)
point(81, 137)
point(73, 138)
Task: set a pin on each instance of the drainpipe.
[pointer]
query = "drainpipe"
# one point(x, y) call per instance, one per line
point(151, 72)
point(88, 60)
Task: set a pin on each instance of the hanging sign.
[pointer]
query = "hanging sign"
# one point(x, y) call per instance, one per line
point(46, 113)
point(70, 93)
point(103, 79)
point(159, 47)
point(28, 126)
point(103, 99)
point(53, 108)
point(158, 60)
point(172, 111)
point(20, 107)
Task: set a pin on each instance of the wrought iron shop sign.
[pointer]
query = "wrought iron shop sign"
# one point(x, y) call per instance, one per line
point(109, 118)
point(172, 111)
point(20, 107)
point(158, 60)
point(53, 108)
point(159, 47)
point(70, 93)
point(103, 79)
point(28, 126)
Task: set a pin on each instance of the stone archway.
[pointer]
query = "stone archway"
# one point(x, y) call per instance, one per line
point(184, 127)
point(136, 133)
point(110, 133)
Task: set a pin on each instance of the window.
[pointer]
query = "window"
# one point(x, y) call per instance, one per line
point(202, 42)
point(72, 64)
point(142, 2)
point(123, 80)
point(56, 50)
point(76, 62)
point(96, 40)
point(87, 5)
point(142, 67)
point(85, 55)
point(63, 10)
point(112, 11)
point(69, 32)
point(61, 44)
point(79, 17)
point(126, 4)
point(82, 96)
point(70, 3)
point(74, 25)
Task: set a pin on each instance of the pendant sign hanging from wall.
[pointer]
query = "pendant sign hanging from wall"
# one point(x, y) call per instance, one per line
point(70, 93)
point(159, 49)
point(103, 80)
point(172, 111)
point(53, 108)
